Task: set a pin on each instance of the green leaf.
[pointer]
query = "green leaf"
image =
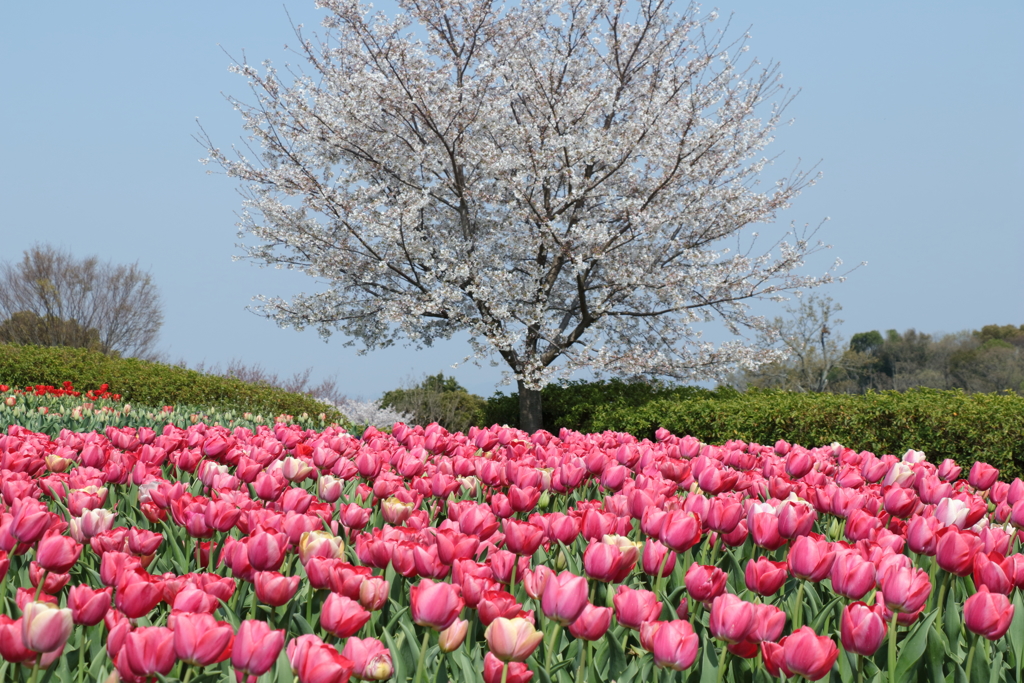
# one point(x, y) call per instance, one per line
point(980, 665)
point(846, 666)
point(936, 654)
point(397, 658)
point(824, 614)
point(1016, 632)
point(912, 649)
point(616, 658)
point(996, 668)
point(708, 669)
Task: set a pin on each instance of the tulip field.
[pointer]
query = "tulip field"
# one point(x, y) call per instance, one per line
point(280, 552)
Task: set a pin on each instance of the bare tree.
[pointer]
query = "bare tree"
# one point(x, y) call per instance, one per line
point(51, 298)
point(571, 183)
point(812, 347)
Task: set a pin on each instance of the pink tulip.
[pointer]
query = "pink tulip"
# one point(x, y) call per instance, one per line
point(512, 640)
point(592, 623)
point(564, 597)
point(436, 605)
point(809, 654)
point(862, 629)
point(988, 614)
point(731, 618)
point(201, 640)
point(674, 645)
point(634, 607)
point(256, 647)
point(45, 627)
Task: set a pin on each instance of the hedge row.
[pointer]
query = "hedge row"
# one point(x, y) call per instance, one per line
point(943, 424)
point(148, 383)
point(575, 405)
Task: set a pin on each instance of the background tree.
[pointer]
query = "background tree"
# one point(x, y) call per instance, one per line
point(562, 181)
point(438, 399)
point(50, 298)
point(813, 349)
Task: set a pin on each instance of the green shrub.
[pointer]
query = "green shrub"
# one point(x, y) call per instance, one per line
point(144, 382)
point(942, 423)
point(438, 399)
point(575, 404)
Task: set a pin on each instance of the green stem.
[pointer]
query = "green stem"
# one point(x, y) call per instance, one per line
point(580, 673)
point(714, 550)
point(512, 579)
point(798, 610)
point(942, 598)
point(504, 673)
point(661, 571)
point(35, 669)
point(970, 657)
point(309, 607)
point(892, 647)
point(722, 663)
point(550, 649)
point(42, 582)
point(81, 653)
point(252, 603)
point(421, 664)
point(860, 668)
point(188, 674)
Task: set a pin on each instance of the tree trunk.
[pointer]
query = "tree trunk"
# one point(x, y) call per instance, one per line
point(529, 409)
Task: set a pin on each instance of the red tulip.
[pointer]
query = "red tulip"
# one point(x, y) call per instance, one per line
point(982, 476)
point(905, 589)
point(201, 640)
point(342, 616)
point(810, 558)
point(764, 529)
point(274, 589)
point(657, 558)
point(146, 651)
point(956, 549)
point(522, 538)
point(634, 607)
point(256, 647)
point(705, 583)
point(809, 654)
point(675, 645)
point(313, 661)
point(371, 661)
point(592, 623)
point(137, 593)
point(921, 535)
point(564, 598)
point(12, 649)
point(142, 542)
point(610, 560)
point(765, 577)
point(57, 553)
point(767, 623)
point(862, 629)
point(266, 549)
point(373, 593)
point(452, 545)
point(731, 618)
point(852, 576)
point(436, 605)
point(517, 672)
point(88, 606)
point(30, 520)
point(680, 530)
point(796, 519)
point(988, 614)
point(498, 603)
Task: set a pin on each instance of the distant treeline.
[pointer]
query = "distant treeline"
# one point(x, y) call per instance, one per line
point(980, 361)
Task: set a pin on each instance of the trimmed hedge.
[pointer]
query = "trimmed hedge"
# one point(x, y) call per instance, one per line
point(575, 405)
point(144, 382)
point(943, 424)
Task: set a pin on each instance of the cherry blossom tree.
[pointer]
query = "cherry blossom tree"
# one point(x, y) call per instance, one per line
point(572, 184)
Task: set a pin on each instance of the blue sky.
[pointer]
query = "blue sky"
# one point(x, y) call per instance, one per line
point(912, 110)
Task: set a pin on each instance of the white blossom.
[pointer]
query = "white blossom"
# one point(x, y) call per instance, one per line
point(567, 182)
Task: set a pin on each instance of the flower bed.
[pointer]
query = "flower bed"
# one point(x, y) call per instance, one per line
point(496, 555)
